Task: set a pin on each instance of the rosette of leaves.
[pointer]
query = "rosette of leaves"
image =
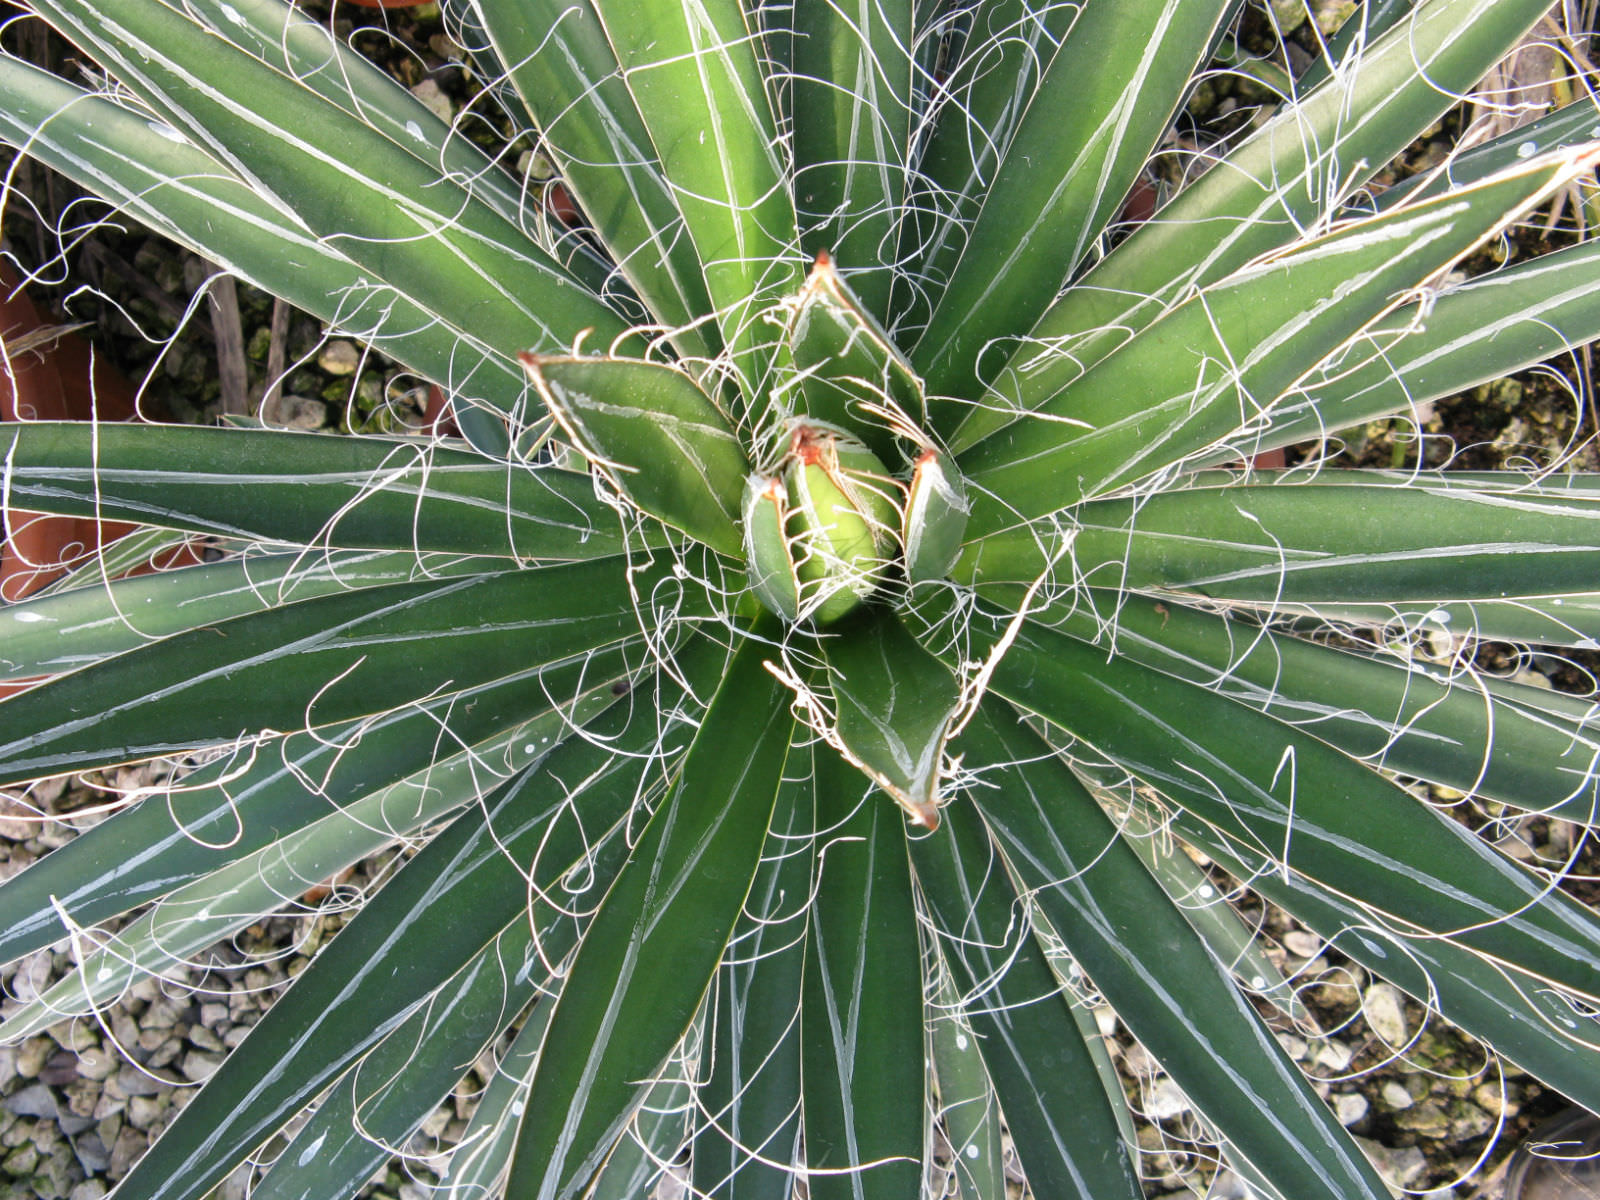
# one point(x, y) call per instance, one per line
point(856, 454)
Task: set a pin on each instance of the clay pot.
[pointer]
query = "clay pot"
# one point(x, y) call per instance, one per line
point(57, 379)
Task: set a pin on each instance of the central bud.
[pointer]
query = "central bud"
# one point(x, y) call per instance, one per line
point(822, 530)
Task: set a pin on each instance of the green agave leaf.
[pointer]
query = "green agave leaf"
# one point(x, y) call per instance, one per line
point(1425, 722)
point(479, 1161)
point(645, 962)
point(865, 1082)
point(1337, 537)
point(1535, 1027)
point(1361, 28)
point(694, 76)
point(162, 180)
point(1060, 1117)
point(845, 362)
point(967, 1109)
point(1572, 126)
point(1277, 790)
point(290, 41)
point(315, 663)
point(64, 630)
point(387, 1095)
point(340, 177)
point(894, 705)
point(750, 1099)
point(404, 764)
point(240, 889)
point(652, 1139)
point(1101, 105)
point(1212, 364)
point(1572, 621)
point(137, 550)
point(851, 96)
point(1467, 335)
point(1281, 181)
point(1132, 941)
point(656, 436)
point(996, 57)
point(1230, 940)
point(307, 488)
point(566, 75)
point(440, 909)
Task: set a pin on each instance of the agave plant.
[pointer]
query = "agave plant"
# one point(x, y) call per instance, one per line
point(855, 575)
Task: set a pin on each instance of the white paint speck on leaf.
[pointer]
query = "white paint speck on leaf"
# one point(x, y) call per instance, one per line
point(311, 1151)
point(1527, 149)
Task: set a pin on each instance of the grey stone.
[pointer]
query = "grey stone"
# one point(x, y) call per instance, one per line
point(92, 1154)
point(1426, 1120)
point(198, 1065)
point(130, 1144)
point(123, 1027)
point(1399, 1166)
point(1294, 1046)
point(60, 1070)
point(162, 1014)
point(22, 1161)
point(32, 1056)
point(339, 357)
point(82, 1099)
point(145, 1111)
point(72, 1124)
point(97, 1063)
point(1225, 1185)
point(17, 1130)
point(1302, 943)
point(1394, 1094)
point(1333, 1056)
point(297, 412)
point(1384, 1008)
point(1468, 1121)
point(74, 1035)
point(1166, 1101)
point(130, 1081)
point(214, 1014)
point(35, 1100)
point(200, 1036)
point(165, 1053)
point(1350, 1107)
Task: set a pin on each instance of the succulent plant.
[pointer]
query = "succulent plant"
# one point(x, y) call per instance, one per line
point(842, 440)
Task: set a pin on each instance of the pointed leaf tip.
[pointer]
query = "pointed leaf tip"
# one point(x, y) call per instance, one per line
point(655, 435)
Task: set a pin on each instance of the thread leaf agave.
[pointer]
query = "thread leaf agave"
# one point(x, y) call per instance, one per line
point(852, 316)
